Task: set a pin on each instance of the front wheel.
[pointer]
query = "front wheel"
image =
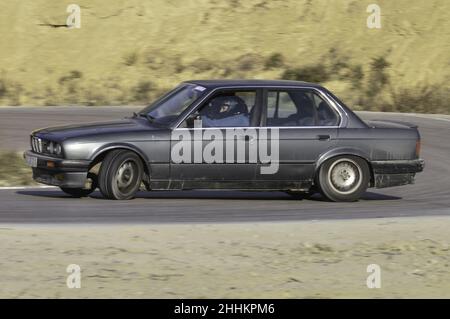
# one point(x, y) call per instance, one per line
point(344, 178)
point(120, 175)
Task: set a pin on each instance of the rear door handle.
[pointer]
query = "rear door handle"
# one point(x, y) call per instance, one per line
point(323, 137)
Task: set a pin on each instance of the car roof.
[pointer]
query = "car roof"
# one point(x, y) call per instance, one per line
point(212, 84)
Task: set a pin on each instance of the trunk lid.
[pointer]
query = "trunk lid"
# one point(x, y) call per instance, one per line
point(390, 124)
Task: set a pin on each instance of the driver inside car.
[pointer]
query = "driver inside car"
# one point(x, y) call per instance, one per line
point(225, 111)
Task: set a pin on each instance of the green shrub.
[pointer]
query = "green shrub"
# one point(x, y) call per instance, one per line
point(3, 88)
point(356, 76)
point(248, 62)
point(275, 60)
point(93, 96)
point(202, 65)
point(73, 75)
point(378, 78)
point(421, 99)
point(15, 92)
point(11, 92)
point(130, 59)
point(141, 92)
point(178, 65)
point(314, 73)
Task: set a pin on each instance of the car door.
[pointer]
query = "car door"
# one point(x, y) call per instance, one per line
point(213, 147)
point(307, 127)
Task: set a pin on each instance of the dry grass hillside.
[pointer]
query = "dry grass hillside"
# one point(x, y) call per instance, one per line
point(126, 52)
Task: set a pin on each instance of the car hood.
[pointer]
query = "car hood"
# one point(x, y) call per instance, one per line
point(59, 133)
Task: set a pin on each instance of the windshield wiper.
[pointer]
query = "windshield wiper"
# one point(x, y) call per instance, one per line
point(149, 118)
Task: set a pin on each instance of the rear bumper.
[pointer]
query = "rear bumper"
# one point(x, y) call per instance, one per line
point(60, 172)
point(395, 172)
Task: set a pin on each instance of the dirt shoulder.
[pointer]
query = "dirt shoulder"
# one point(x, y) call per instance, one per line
point(320, 259)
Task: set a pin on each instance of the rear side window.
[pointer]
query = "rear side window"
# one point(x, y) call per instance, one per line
point(300, 108)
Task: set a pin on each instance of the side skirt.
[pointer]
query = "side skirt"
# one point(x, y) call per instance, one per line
point(240, 185)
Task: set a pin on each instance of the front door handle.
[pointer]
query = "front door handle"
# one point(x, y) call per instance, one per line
point(323, 137)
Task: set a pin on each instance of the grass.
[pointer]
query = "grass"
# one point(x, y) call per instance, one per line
point(120, 56)
point(14, 171)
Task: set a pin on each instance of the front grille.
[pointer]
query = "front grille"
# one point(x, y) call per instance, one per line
point(36, 144)
point(39, 145)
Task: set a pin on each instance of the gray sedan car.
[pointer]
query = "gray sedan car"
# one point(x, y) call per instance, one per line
point(228, 134)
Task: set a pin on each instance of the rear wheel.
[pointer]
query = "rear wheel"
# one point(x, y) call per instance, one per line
point(120, 175)
point(344, 178)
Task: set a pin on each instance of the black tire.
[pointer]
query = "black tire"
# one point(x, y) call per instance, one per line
point(77, 192)
point(344, 178)
point(120, 175)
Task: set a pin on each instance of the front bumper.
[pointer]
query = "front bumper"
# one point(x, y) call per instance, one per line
point(58, 171)
point(395, 172)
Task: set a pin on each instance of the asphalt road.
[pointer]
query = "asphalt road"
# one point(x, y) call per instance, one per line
point(429, 196)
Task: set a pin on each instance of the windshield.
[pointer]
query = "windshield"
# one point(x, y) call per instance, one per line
point(170, 106)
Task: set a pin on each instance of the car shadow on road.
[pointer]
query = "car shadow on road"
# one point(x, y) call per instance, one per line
point(367, 196)
point(378, 196)
point(200, 194)
point(44, 193)
point(210, 194)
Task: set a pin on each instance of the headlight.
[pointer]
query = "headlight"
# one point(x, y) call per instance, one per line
point(54, 148)
point(57, 149)
point(49, 148)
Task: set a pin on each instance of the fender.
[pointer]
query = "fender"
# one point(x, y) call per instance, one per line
point(341, 151)
point(131, 147)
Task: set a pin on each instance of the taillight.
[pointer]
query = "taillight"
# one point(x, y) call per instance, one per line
point(418, 148)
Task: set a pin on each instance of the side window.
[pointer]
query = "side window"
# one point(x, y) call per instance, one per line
point(280, 106)
point(299, 108)
point(326, 115)
point(227, 109)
